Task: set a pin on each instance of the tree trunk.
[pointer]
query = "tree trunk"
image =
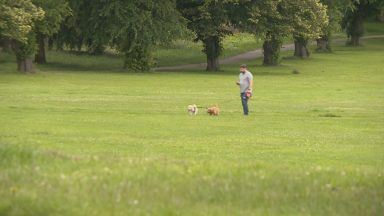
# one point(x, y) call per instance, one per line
point(301, 49)
point(23, 58)
point(380, 16)
point(25, 65)
point(357, 26)
point(212, 49)
point(355, 40)
point(40, 55)
point(79, 46)
point(50, 43)
point(213, 64)
point(323, 44)
point(271, 50)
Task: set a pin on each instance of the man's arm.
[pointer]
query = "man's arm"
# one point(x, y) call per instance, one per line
point(250, 84)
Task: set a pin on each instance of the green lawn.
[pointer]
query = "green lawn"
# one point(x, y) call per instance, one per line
point(82, 138)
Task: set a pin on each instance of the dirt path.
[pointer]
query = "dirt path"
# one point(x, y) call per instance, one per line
point(244, 57)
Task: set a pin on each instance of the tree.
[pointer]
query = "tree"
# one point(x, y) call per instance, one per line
point(380, 15)
point(17, 22)
point(265, 19)
point(308, 19)
point(87, 26)
point(138, 26)
point(353, 20)
point(133, 28)
point(210, 22)
point(335, 9)
point(55, 13)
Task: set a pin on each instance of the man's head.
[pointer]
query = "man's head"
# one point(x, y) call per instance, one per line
point(243, 68)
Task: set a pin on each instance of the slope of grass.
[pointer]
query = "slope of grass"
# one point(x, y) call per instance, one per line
point(81, 142)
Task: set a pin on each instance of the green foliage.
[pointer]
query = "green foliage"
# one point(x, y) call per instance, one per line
point(55, 13)
point(86, 26)
point(335, 10)
point(138, 57)
point(210, 21)
point(26, 49)
point(17, 19)
point(308, 18)
point(354, 16)
point(205, 18)
point(271, 48)
point(353, 19)
point(17, 23)
point(137, 26)
point(132, 27)
point(267, 20)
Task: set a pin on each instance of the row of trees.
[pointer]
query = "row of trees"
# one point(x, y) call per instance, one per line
point(134, 28)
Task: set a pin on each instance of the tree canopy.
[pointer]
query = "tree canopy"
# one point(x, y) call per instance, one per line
point(131, 27)
point(354, 16)
point(137, 26)
point(17, 19)
point(210, 22)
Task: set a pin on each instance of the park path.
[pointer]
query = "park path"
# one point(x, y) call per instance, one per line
point(258, 53)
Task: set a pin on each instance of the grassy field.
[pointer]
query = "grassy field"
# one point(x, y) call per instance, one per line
point(82, 138)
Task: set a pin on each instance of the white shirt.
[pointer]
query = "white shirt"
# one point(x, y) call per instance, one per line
point(245, 81)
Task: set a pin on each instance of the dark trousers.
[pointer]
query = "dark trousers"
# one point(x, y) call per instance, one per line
point(244, 102)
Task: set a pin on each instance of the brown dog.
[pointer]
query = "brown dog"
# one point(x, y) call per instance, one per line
point(215, 111)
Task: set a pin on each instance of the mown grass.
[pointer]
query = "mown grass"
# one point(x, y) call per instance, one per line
point(83, 138)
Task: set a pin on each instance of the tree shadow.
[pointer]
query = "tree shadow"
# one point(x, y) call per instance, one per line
point(73, 67)
point(233, 70)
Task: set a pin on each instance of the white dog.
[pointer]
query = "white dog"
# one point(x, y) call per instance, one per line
point(192, 109)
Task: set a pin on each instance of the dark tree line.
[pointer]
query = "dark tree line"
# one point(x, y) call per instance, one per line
point(135, 28)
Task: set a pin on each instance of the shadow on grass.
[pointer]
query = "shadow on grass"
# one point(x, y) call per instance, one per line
point(233, 70)
point(79, 61)
point(82, 62)
point(74, 67)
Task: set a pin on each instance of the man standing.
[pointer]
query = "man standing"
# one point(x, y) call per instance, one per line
point(246, 83)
